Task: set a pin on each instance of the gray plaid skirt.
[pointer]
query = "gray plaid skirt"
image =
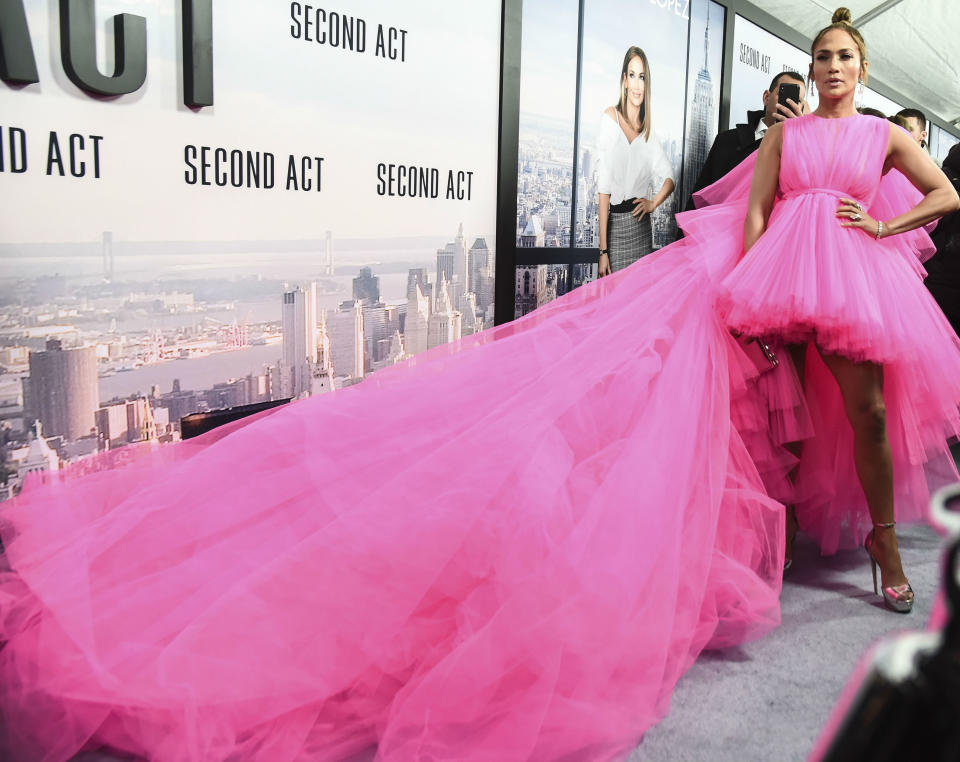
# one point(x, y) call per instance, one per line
point(628, 240)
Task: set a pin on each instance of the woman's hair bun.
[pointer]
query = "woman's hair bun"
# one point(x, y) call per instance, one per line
point(842, 15)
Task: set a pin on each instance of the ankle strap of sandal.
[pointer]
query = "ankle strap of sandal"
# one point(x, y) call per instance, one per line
point(888, 525)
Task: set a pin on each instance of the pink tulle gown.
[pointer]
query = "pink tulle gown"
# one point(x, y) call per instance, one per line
point(809, 280)
point(508, 549)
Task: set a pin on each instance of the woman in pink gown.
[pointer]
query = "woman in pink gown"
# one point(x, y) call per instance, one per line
point(879, 353)
point(507, 549)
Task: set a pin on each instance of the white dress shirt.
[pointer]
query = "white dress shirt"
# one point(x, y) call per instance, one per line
point(628, 170)
point(761, 130)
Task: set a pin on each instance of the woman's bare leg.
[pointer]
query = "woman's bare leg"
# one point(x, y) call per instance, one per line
point(798, 355)
point(861, 385)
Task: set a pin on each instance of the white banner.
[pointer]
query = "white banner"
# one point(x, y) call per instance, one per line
point(319, 115)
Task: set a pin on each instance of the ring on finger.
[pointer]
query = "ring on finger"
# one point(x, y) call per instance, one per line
point(855, 217)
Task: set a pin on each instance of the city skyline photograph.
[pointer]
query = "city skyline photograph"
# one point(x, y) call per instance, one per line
point(119, 349)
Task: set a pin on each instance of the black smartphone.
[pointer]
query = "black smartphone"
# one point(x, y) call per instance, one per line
point(789, 90)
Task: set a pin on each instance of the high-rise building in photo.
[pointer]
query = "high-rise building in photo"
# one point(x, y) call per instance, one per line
point(392, 317)
point(397, 352)
point(40, 458)
point(478, 261)
point(328, 266)
point(366, 286)
point(416, 322)
point(472, 319)
point(62, 390)
point(700, 136)
point(416, 276)
point(460, 259)
point(588, 167)
point(532, 235)
point(481, 277)
point(299, 339)
point(322, 380)
point(124, 422)
point(485, 295)
point(445, 264)
point(445, 322)
point(345, 328)
point(374, 331)
point(530, 289)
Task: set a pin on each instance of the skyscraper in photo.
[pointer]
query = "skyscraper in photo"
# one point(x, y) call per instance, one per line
point(530, 288)
point(701, 132)
point(62, 390)
point(40, 457)
point(445, 265)
point(397, 352)
point(460, 260)
point(345, 327)
point(472, 319)
point(416, 276)
point(299, 339)
point(328, 264)
point(588, 165)
point(366, 286)
point(480, 268)
point(322, 378)
point(374, 331)
point(532, 235)
point(445, 322)
point(416, 322)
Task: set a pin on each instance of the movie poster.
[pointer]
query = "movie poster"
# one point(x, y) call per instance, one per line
point(660, 31)
point(243, 202)
point(684, 104)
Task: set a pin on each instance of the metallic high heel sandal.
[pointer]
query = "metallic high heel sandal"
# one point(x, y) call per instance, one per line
point(792, 514)
point(897, 598)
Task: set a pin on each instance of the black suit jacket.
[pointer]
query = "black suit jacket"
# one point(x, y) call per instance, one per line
point(729, 148)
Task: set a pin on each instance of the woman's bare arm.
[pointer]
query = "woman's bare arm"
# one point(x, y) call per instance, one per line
point(939, 196)
point(763, 187)
point(939, 199)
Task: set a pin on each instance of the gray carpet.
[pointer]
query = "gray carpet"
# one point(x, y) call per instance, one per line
point(769, 699)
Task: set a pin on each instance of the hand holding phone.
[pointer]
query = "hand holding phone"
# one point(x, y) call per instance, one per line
point(788, 91)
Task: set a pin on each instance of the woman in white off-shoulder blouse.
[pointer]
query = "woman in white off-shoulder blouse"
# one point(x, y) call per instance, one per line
point(628, 167)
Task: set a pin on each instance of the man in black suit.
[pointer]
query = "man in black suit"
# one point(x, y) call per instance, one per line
point(943, 278)
point(732, 146)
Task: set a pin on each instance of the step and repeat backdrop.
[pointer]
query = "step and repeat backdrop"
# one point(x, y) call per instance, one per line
point(759, 56)
point(213, 203)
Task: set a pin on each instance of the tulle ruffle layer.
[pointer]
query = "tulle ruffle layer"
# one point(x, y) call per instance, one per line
point(808, 279)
